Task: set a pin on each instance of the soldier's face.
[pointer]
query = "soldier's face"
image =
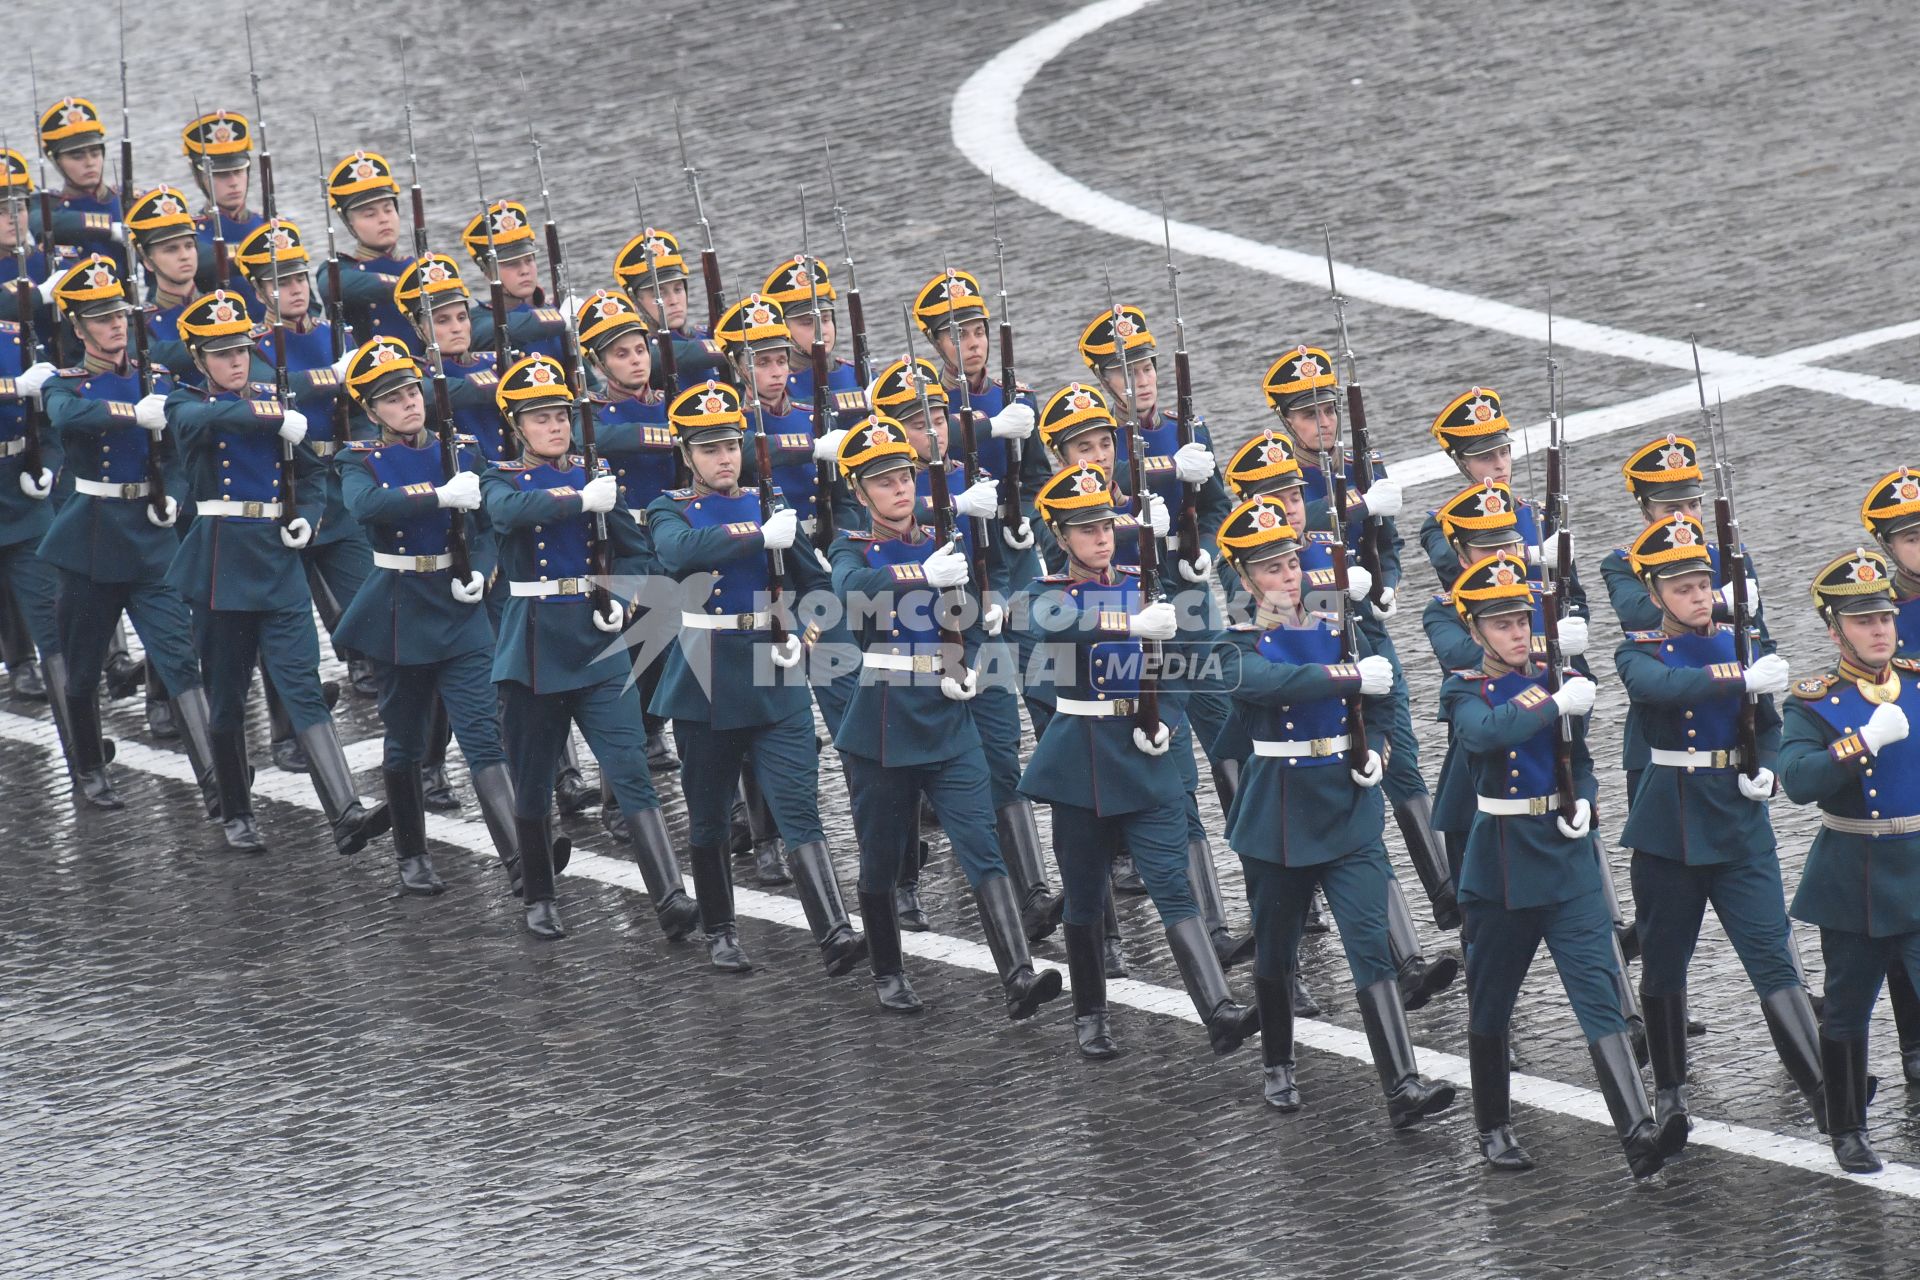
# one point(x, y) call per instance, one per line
point(970, 352)
point(547, 430)
point(673, 296)
point(375, 224)
point(1658, 511)
point(916, 428)
point(1507, 636)
point(453, 330)
point(1687, 599)
point(226, 370)
point(627, 362)
point(104, 337)
point(1873, 637)
point(716, 465)
point(1090, 546)
point(402, 413)
point(230, 190)
point(1904, 548)
point(890, 496)
point(1294, 499)
point(1276, 580)
point(82, 168)
point(1146, 385)
point(174, 261)
point(1314, 428)
point(520, 277)
point(1094, 447)
point(1495, 465)
point(292, 296)
point(770, 370)
point(802, 327)
point(13, 223)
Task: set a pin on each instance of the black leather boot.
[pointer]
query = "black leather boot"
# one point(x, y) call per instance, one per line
point(571, 792)
point(1226, 784)
point(660, 755)
point(768, 869)
point(1410, 1099)
point(25, 680)
point(841, 948)
point(907, 907)
point(1906, 1018)
point(1304, 1005)
point(1213, 908)
point(406, 804)
point(1087, 972)
point(1026, 990)
point(1619, 1075)
point(493, 789)
point(1666, 1018)
point(1040, 906)
point(1124, 877)
point(1629, 1000)
point(713, 891)
point(1228, 1024)
point(190, 714)
point(160, 722)
point(536, 865)
point(362, 675)
point(1419, 979)
point(353, 823)
point(122, 674)
point(1424, 849)
point(653, 854)
point(55, 669)
point(90, 759)
point(1844, 1066)
point(1113, 956)
point(890, 983)
point(612, 820)
point(233, 776)
point(1492, 1104)
point(1274, 997)
point(1314, 920)
point(435, 791)
point(285, 750)
point(1796, 1038)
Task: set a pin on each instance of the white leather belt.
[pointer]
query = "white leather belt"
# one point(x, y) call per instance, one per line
point(243, 510)
point(1691, 759)
point(726, 621)
point(1087, 707)
point(1304, 747)
point(13, 448)
point(101, 489)
point(1906, 825)
point(413, 564)
point(1515, 806)
point(551, 587)
point(920, 663)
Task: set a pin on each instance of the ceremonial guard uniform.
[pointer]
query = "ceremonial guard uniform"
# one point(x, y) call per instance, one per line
point(1303, 817)
point(218, 146)
point(533, 328)
point(72, 136)
point(1699, 827)
point(730, 687)
point(806, 298)
point(908, 731)
point(558, 662)
point(239, 569)
point(1529, 874)
point(364, 194)
point(162, 238)
point(1102, 768)
point(653, 259)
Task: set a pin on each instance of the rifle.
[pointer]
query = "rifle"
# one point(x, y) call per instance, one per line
point(48, 248)
point(1187, 519)
point(709, 259)
point(661, 335)
point(496, 291)
point(126, 131)
point(1733, 567)
point(220, 265)
point(289, 487)
point(1372, 532)
point(776, 559)
point(1554, 577)
point(1147, 719)
point(952, 644)
point(25, 299)
point(1010, 503)
point(1343, 604)
point(856, 310)
point(599, 551)
point(970, 471)
point(337, 328)
point(823, 472)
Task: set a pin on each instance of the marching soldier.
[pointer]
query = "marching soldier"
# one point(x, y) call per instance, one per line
point(1304, 818)
point(1529, 874)
point(1100, 766)
point(1846, 747)
point(423, 626)
point(551, 664)
point(219, 150)
point(362, 191)
point(651, 262)
point(1699, 827)
point(24, 243)
point(908, 731)
point(73, 137)
point(163, 233)
point(533, 328)
point(239, 567)
point(807, 305)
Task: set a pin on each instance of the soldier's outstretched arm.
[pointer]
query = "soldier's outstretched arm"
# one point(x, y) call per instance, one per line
point(1635, 609)
point(67, 410)
point(511, 507)
point(1479, 726)
point(682, 549)
point(1815, 763)
point(1649, 680)
point(1453, 645)
point(371, 503)
point(194, 418)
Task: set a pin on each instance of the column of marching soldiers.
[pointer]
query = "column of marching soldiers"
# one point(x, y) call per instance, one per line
point(209, 428)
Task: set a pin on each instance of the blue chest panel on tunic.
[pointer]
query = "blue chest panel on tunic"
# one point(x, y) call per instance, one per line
point(118, 456)
point(1106, 668)
point(1299, 721)
point(1892, 788)
point(912, 621)
point(1157, 473)
point(557, 549)
point(248, 461)
point(741, 582)
point(1526, 769)
point(398, 466)
point(1908, 623)
point(791, 434)
point(1715, 722)
point(647, 472)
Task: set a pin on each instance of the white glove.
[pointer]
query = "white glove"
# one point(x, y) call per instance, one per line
point(1018, 538)
point(1158, 516)
point(1582, 821)
point(1759, 787)
point(1725, 595)
point(295, 535)
point(36, 487)
point(1157, 744)
point(611, 621)
point(293, 427)
point(946, 567)
point(1157, 621)
point(992, 619)
point(150, 411)
point(1573, 637)
point(1886, 726)
point(1359, 583)
point(1384, 498)
point(1388, 604)
point(165, 521)
point(1369, 776)
point(826, 448)
point(34, 377)
point(780, 529)
point(960, 690)
point(1376, 675)
point(788, 654)
point(1576, 696)
point(472, 591)
point(1768, 674)
point(340, 366)
point(1197, 571)
point(981, 500)
point(117, 232)
point(1015, 422)
point(1193, 462)
point(462, 493)
point(600, 493)
point(46, 290)
point(569, 308)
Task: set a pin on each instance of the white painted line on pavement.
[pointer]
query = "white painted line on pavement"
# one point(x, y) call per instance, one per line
point(1535, 1091)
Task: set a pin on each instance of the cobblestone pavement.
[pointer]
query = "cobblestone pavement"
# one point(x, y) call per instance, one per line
point(276, 1066)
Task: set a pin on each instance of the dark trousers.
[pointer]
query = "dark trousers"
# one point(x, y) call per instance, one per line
point(1856, 965)
point(1356, 889)
point(886, 816)
point(87, 614)
point(31, 582)
point(1671, 898)
point(537, 725)
point(784, 760)
point(996, 714)
point(285, 645)
point(465, 686)
point(1500, 947)
point(1084, 844)
point(341, 567)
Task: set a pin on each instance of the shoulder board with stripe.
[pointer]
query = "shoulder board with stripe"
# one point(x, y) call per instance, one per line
point(1321, 535)
point(1324, 616)
point(1132, 570)
point(860, 535)
point(77, 371)
point(1907, 664)
point(1646, 637)
point(707, 345)
point(1443, 597)
point(1471, 673)
point(9, 326)
point(678, 495)
point(1813, 686)
point(515, 465)
point(1053, 577)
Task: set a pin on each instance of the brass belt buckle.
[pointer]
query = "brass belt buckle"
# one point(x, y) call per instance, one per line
point(1321, 747)
point(1538, 806)
point(253, 510)
point(425, 564)
point(131, 491)
point(572, 586)
point(745, 622)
